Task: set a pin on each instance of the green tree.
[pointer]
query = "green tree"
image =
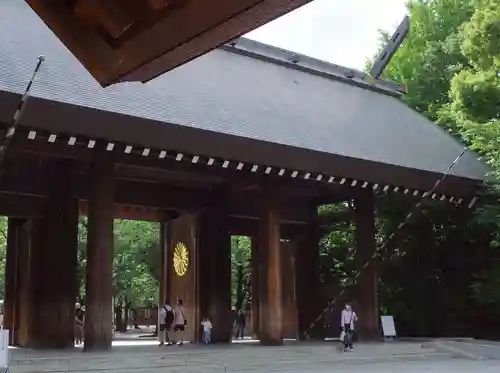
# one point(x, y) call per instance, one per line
point(475, 91)
point(241, 253)
point(430, 56)
point(136, 249)
point(336, 247)
point(475, 106)
point(136, 268)
point(450, 63)
point(82, 256)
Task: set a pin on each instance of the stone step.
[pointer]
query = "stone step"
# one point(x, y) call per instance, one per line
point(207, 364)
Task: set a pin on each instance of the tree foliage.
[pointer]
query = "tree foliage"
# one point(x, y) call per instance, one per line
point(136, 274)
point(450, 62)
point(475, 105)
point(430, 56)
point(241, 258)
point(136, 268)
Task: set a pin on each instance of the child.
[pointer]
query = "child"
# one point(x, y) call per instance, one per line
point(207, 330)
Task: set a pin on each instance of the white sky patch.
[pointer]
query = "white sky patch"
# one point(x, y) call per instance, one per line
point(337, 31)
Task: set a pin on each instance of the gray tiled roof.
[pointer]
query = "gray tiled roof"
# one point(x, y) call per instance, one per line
point(238, 95)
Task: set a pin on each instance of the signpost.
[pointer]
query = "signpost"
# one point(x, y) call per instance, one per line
point(4, 349)
point(388, 327)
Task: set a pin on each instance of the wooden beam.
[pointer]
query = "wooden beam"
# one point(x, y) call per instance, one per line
point(117, 46)
point(229, 28)
point(250, 227)
point(16, 206)
point(41, 147)
point(86, 44)
point(28, 181)
point(105, 14)
point(19, 206)
point(130, 212)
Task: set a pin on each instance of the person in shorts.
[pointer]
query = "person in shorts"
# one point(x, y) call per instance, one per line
point(166, 319)
point(180, 322)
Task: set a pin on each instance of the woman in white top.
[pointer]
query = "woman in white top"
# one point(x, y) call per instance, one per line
point(347, 320)
point(179, 321)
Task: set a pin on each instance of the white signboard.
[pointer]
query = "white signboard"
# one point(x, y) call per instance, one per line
point(4, 349)
point(388, 326)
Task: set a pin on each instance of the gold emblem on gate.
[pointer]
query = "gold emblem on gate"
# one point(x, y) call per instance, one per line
point(181, 259)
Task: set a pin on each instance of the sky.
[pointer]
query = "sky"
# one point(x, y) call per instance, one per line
point(338, 31)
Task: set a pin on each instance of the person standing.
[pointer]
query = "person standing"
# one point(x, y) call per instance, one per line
point(78, 324)
point(240, 324)
point(234, 318)
point(166, 319)
point(180, 321)
point(130, 319)
point(207, 330)
point(348, 319)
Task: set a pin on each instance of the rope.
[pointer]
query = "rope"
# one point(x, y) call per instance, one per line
point(11, 130)
point(384, 244)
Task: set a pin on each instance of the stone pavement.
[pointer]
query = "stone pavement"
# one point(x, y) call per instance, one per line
point(244, 357)
point(431, 366)
point(467, 347)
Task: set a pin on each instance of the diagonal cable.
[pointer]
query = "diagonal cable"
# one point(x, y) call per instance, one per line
point(384, 244)
point(11, 130)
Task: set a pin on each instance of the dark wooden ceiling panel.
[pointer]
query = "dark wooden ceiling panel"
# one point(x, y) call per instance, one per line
point(137, 40)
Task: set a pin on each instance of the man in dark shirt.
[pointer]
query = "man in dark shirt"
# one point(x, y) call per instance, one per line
point(241, 323)
point(79, 319)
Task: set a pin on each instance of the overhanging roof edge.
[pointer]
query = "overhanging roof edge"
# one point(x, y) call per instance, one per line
point(303, 63)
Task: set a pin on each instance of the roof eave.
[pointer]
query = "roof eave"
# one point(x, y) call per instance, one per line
point(102, 125)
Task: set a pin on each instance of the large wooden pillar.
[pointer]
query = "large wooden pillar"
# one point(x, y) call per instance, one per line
point(307, 278)
point(11, 293)
point(183, 281)
point(24, 306)
point(99, 291)
point(215, 268)
point(367, 283)
point(289, 312)
point(41, 267)
point(270, 273)
point(54, 262)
